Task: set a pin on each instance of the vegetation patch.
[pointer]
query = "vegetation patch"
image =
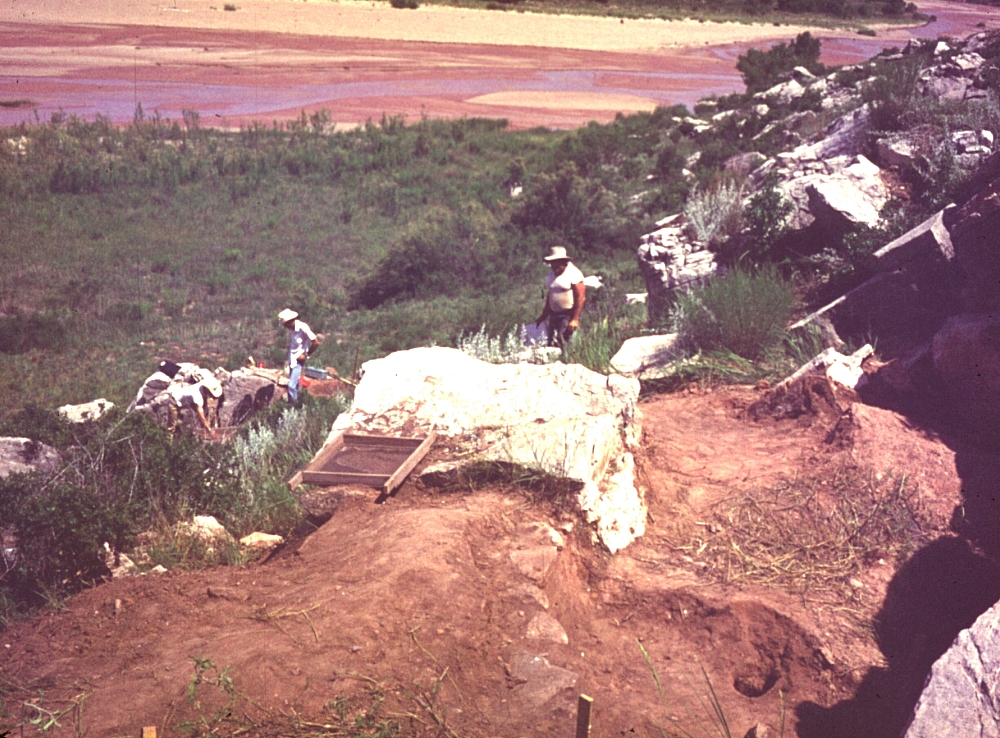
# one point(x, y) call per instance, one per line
point(811, 535)
point(124, 475)
point(744, 313)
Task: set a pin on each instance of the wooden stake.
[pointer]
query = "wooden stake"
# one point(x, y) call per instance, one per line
point(582, 716)
point(149, 731)
point(354, 372)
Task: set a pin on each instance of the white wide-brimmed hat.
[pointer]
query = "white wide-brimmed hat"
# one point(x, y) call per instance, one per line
point(209, 382)
point(557, 253)
point(286, 315)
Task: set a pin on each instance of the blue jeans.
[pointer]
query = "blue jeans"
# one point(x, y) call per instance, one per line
point(294, 374)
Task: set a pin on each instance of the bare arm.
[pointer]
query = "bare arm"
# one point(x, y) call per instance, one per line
point(579, 297)
point(204, 421)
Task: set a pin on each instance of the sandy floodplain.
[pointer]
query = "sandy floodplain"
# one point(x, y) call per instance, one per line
point(271, 59)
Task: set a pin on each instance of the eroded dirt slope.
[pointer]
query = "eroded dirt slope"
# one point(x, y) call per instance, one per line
point(484, 612)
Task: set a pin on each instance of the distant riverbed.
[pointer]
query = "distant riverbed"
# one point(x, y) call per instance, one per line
point(252, 65)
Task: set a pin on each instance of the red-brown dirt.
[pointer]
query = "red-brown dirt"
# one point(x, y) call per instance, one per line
point(437, 600)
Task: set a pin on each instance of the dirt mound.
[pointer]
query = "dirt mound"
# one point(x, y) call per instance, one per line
point(484, 612)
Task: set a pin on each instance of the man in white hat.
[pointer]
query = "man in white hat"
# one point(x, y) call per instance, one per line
point(300, 345)
point(565, 294)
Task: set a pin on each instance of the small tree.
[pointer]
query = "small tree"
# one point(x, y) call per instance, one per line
point(762, 70)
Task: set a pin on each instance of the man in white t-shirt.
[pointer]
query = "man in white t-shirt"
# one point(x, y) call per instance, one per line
point(192, 396)
point(565, 294)
point(301, 343)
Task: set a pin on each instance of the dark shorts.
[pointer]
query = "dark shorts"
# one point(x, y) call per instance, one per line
point(558, 329)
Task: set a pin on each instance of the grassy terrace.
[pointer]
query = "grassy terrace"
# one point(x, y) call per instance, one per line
point(165, 240)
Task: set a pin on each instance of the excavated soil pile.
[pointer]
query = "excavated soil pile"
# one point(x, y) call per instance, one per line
point(485, 611)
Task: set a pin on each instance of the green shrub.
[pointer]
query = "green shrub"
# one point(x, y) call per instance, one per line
point(503, 349)
point(765, 220)
point(892, 95)
point(743, 312)
point(20, 332)
point(576, 211)
point(606, 323)
point(762, 70)
point(123, 474)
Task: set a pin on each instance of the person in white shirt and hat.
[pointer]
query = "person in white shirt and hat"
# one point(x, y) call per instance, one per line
point(301, 343)
point(565, 294)
point(193, 396)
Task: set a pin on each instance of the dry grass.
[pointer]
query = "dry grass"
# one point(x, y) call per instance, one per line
point(810, 536)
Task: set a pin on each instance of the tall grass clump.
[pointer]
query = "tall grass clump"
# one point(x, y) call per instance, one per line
point(607, 323)
point(715, 214)
point(743, 312)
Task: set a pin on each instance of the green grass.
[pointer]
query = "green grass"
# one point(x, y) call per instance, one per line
point(122, 247)
point(743, 313)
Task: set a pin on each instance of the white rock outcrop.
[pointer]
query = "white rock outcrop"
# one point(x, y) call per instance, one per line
point(646, 356)
point(24, 456)
point(562, 419)
point(670, 260)
point(961, 698)
point(86, 412)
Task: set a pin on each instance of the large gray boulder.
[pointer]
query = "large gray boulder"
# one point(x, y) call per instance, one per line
point(23, 456)
point(829, 177)
point(560, 419)
point(246, 391)
point(931, 240)
point(961, 698)
point(851, 197)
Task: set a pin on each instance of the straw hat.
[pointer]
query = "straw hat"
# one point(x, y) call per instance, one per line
point(286, 315)
point(557, 253)
point(209, 382)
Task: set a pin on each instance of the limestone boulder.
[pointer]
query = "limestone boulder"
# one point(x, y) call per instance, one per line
point(931, 241)
point(646, 356)
point(961, 697)
point(743, 164)
point(542, 684)
point(670, 260)
point(86, 412)
point(24, 456)
point(828, 177)
point(258, 541)
point(248, 390)
point(784, 92)
point(853, 196)
point(977, 250)
point(900, 152)
point(561, 419)
point(208, 531)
